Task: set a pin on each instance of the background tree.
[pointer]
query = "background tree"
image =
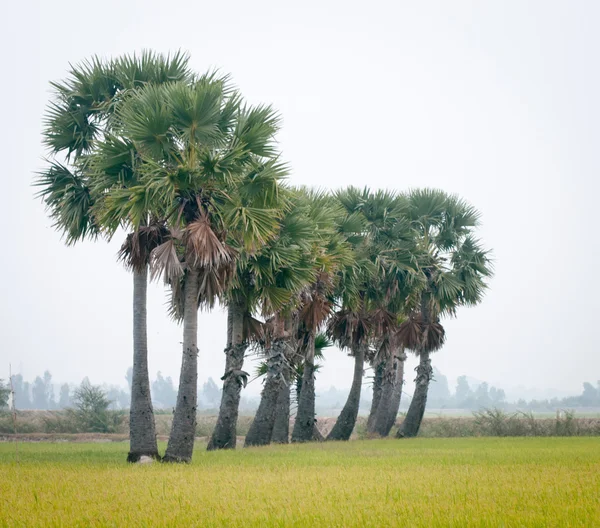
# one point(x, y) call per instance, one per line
point(91, 411)
point(163, 391)
point(211, 392)
point(42, 392)
point(64, 398)
point(4, 394)
point(22, 392)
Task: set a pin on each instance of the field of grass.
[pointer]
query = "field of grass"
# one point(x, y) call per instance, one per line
point(420, 482)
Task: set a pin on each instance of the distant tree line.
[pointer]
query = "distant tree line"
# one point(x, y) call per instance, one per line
point(484, 396)
point(42, 394)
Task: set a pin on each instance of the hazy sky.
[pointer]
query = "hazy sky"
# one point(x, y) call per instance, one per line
point(497, 101)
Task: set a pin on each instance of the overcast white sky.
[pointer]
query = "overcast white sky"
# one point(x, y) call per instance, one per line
point(497, 101)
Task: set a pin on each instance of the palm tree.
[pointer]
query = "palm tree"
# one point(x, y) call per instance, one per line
point(287, 268)
point(453, 267)
point(80, 125)
point(201, 152)
point(250, 288)
point(333, 253)
point(384, 253)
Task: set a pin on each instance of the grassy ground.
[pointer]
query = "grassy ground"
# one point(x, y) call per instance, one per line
point(420, 482)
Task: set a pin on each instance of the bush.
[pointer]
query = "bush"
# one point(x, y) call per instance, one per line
point(91, 413)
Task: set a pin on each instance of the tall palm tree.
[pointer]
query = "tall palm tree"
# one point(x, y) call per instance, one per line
point(288, 268)
point(363, 319)
point(202, 153)
point(250, 289)
point(454, 269)
point(79, 127)
point(333, 253)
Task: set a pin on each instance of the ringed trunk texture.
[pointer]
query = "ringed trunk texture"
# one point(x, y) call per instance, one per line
point(304, 424)
point(281, 428)
point(183, 430)
point(261, 429)
point(377, 393)
point(142, 431)
point(347, 419)
point(225, 432)
point(416, 410)
point(391, 395)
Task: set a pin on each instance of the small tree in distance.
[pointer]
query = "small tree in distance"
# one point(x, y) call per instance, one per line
point(4, 393)
point(91, 411)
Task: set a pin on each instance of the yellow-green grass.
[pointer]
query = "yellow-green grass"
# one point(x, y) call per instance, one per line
point(420, 482)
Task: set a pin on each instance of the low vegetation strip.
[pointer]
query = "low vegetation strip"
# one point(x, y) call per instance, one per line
point(487, 422)
point(418, 482)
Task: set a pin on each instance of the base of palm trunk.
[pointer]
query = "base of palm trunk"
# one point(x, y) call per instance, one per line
point(224, 435)
point(176, 460)
point(304, 424)
point(386, 414)
point(416, 410)
point(281, 428)
point(342, 430)
point(377, 393)
point(135, 457)
point(261, 429)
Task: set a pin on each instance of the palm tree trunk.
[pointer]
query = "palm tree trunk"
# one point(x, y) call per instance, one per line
point(305, 417)
point(392, 393)
point(225, 432)
point(261, 429)
point(347, 419)
point(183, 430)
point(412, 423)
point(281, 429)
point(142, 431)
point(377, 393)
point(416, 410)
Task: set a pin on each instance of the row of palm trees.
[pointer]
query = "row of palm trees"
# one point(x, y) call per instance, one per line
point(193, 173)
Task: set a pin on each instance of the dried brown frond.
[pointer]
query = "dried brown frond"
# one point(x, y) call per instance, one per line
point(417, 336)
point(177, 301)
point(383, 322)
point(316, 302)
point(204, 249)
point(213, 282)
point(347, 328)
point(164, 261)
point(254, 330)
point(135, 251)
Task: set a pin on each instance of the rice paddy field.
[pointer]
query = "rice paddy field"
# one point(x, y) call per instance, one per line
point(420, 482)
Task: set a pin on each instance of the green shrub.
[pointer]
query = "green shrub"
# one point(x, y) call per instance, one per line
point(91, 413)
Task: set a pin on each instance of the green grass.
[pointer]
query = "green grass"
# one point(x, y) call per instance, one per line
point(420, 482)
